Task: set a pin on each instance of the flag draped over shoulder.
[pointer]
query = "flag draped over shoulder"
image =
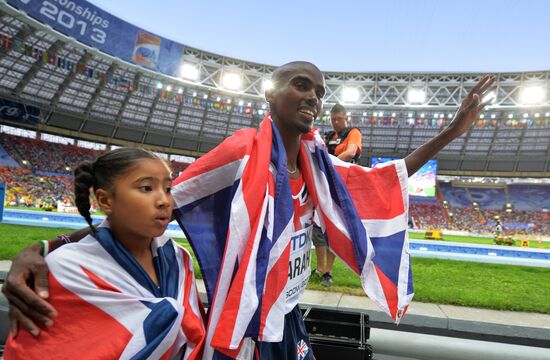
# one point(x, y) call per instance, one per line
point(235, 206)
point(109, 308)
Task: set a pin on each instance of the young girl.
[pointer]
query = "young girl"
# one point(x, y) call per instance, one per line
point(124, 291)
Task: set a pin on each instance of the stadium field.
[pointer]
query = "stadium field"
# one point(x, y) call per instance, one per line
point(493, 286)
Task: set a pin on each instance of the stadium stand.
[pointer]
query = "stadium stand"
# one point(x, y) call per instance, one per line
point(46, 157)
point(26, 189)
point(54, 83)
point(529, 197)
point(429, 216)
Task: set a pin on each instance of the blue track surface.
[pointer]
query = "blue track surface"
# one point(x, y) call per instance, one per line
point(421, 248)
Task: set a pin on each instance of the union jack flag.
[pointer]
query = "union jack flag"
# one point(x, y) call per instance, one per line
point(301, 350)
point(235, 206)
point(110, 309)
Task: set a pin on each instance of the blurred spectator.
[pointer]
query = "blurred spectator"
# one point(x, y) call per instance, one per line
point(24, 188)
point(50, 158)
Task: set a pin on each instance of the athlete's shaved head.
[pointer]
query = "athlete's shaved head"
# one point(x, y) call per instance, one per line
point(284, 71)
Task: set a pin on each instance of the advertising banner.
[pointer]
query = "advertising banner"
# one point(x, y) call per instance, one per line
point(14, 111)
point(97, 28)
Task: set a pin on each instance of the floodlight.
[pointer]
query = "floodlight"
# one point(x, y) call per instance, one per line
point(348, 113)
point(441, 116)
point(180, 91)
point(364, 114)
point(350, 95)
point(159, 85)
point(537, 115)
point(533, 95)
point(267, 84)
point(194, 94)
point(450, 116)
point(481, 116)
point(189, 71)
point(392, 114)
point(526, 115)
point(510, 116)
point(422, 115)
point(547, 114)
point(232, 81)
point(169, 88)
point(327, 112)
point(260, 112)
point(410, 115)
point(205, 96)
point(493, 116)
point(241, 103)
point(381, 113)
point(417, 96)
point(490, 97)
point(229, 101)
point(375, 114)
point(218, 99)
point(264, 106)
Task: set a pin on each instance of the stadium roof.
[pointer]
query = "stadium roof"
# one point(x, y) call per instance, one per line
point(65, 86)
point(351, 35)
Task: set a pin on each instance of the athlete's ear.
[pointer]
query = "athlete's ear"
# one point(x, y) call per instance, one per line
point(104, 200)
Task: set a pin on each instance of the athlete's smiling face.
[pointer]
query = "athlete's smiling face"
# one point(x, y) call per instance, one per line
point(297, 96)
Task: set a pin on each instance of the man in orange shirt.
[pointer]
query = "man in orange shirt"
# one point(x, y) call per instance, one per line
point(345, 143)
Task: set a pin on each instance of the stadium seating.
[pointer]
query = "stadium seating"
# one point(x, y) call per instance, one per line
point(51, 158)
point(44, 180)
point(529, 197)
point(429, 216)
point(30, 190)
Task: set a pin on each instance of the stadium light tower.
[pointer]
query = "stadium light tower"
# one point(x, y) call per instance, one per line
point(417, 96)
point(189, 72)
point(350, 95)
point(533, 94)
point(232, 81)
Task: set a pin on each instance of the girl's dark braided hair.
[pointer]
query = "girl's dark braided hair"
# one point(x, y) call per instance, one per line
point(101, 173)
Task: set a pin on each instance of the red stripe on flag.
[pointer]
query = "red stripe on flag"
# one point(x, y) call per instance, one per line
point(340, 244)
point(390, 291)
point(231, 149)
point(275, 284)
point(377, 195)
point(191, 323)
point(68, 337)
point(99, 282)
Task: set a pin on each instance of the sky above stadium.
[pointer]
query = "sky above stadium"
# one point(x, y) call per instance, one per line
point(346, 35)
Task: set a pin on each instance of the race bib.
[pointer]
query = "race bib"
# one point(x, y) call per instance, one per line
point(298, 267)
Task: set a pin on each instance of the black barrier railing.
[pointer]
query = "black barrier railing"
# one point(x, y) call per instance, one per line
point(336, 334)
